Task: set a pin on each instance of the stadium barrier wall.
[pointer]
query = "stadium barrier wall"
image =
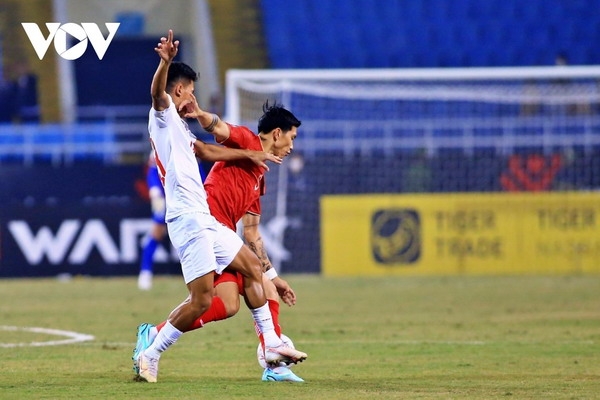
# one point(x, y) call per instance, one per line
point(451, 234)
point(89, 219)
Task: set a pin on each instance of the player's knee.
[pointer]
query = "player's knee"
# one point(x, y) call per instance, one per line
point(232, 306)
point(249, 266)
point(200, 302)
point(229, 294)
point(254, 271)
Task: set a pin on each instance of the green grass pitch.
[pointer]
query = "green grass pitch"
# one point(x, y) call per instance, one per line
point(520, 337)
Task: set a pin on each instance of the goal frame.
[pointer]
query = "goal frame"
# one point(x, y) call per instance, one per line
point(284, 76)
point(316, 139)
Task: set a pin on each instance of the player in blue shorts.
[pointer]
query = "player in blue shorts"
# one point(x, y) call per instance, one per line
point(158, 231)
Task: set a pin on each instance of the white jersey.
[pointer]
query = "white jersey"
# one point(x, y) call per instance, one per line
point(173, 145)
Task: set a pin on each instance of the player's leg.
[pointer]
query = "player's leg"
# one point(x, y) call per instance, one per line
point(155, 236)
point(273, 302)
point(277, 373)
point(281, 372)
point(248, 264)
point(197, 303)
point(194, 240)
point(226, 289)
point(225, 303)
point(183, 316)
point(273, 299)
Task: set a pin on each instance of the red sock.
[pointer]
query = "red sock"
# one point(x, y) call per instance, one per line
point(274, 308)
point(216, 312)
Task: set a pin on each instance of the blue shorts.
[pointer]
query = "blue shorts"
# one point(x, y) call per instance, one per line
point(158, 217)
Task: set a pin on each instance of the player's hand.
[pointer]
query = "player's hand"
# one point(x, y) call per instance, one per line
point(191, 107)
point(167, 48)
point(260, 158)
point(287, 294)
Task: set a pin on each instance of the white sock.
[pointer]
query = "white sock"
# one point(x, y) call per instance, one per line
point(152, 334)
point(264, 322)
point(167, 336)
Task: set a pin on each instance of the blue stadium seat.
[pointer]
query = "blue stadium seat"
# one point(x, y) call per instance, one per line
point(413, 10)
point(419, 33)
point(477, 10)
point(501, 10)
point(132, 23)
point(10, 140)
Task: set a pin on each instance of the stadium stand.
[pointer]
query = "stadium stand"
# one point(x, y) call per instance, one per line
point(428, 33)
point(344, 34)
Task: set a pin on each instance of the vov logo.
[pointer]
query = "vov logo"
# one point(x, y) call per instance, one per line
point(60, 35)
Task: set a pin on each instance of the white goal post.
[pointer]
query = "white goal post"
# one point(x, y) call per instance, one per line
point(362, 129)
point(477, 107)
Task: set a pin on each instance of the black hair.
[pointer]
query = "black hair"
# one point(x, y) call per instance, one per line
point(179, 71)
point(276, 116)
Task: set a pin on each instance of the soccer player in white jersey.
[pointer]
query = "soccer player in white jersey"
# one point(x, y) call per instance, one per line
point(203, 244)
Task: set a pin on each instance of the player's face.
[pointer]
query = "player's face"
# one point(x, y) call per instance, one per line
point(185, 93)
point(284, 144)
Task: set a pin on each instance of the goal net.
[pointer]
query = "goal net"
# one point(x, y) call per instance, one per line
point(419, 130)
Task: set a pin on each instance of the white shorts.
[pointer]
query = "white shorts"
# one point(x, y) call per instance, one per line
point(203, 244)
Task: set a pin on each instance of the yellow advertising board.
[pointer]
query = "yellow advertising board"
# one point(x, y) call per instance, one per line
point(474, 233)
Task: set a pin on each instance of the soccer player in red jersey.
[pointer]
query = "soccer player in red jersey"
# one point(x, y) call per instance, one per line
point(204, 246)
point(234, 189)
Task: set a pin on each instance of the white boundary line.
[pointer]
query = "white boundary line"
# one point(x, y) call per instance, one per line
point(74, 337)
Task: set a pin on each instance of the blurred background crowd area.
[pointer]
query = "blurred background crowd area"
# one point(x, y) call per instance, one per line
point(218, 35)
point(394, 136)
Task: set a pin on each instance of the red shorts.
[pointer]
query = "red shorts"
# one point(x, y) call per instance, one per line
point(227, 276)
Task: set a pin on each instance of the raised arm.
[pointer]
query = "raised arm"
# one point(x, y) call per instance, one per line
point(167, 50)
point(254, 241)
point(213, 152)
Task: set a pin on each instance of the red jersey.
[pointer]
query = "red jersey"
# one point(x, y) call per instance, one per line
point(234, 187)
